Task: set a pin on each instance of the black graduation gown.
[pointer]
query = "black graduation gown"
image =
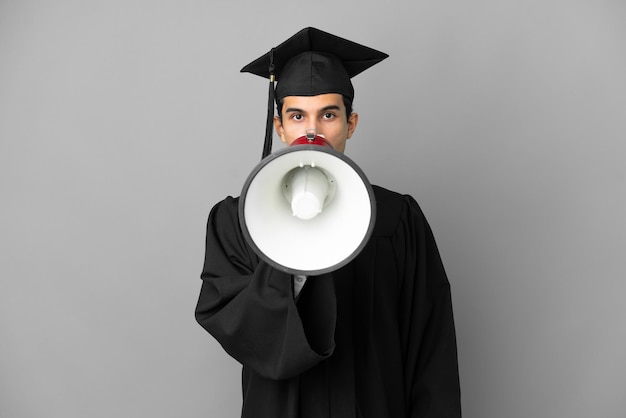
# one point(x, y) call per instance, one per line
point(374, 339)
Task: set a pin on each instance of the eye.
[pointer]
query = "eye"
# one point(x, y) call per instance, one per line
point(328, 115)
point(297, 117)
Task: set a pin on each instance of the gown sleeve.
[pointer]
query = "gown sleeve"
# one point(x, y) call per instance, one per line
point(249, 307)
point(426, 322)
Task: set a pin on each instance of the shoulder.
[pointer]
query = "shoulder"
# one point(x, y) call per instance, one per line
point(226, 209)
point(224, 217)
point(391, 208)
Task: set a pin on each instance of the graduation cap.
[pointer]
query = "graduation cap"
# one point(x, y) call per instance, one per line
point(309, 63)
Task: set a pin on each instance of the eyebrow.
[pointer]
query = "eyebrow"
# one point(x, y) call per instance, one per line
point(325, 109)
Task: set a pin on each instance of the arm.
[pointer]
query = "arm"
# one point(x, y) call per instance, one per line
point(249, 307)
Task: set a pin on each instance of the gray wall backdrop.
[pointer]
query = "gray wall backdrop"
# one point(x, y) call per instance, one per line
point(123, 122)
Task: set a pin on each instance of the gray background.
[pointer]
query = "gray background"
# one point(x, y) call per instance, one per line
point(123, 122)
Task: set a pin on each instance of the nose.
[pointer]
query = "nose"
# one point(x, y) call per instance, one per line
point(314, 130)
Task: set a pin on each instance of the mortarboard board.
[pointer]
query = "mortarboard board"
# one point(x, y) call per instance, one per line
point(309, 63)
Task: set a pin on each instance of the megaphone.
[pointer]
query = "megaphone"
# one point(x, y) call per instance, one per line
point(307, 209)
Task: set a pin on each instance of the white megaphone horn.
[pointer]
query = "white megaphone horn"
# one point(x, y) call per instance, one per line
point(307, 209)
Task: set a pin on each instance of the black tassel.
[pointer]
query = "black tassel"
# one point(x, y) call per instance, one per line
point(269, 128)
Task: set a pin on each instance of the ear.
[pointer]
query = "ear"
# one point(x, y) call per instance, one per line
point(278, 127)
point(353, 121)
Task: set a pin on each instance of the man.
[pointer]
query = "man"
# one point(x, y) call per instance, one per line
point(373, 339)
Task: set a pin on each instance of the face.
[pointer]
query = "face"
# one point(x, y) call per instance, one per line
point(325, 113)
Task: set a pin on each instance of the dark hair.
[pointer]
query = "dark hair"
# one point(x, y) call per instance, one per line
point(346, 102)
